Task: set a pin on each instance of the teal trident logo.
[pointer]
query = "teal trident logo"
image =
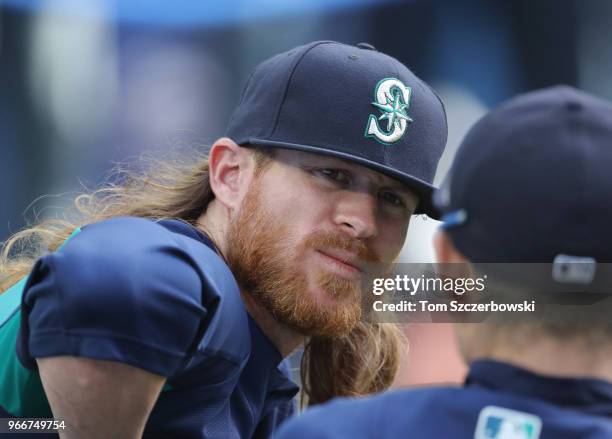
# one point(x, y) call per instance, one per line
point(392, 99)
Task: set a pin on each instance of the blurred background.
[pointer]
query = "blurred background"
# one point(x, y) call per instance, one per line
point(85, 84)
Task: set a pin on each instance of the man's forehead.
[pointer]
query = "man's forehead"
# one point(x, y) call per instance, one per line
point(311, 159)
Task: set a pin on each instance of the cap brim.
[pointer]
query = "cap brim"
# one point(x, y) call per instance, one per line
point(421, 188)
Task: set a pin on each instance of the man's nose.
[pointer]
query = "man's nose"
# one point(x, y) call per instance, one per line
point(356, 214)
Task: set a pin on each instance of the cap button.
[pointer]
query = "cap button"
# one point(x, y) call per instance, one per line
point(366, 46)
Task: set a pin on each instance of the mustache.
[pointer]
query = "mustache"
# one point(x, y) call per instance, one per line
point(330, 240)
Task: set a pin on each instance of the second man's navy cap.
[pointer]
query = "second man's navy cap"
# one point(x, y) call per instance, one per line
point(350, 102)
point(532, 181)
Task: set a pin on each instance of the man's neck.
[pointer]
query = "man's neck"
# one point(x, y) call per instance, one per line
point(284, 338)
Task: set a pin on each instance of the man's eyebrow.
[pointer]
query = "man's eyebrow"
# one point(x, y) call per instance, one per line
point(400, 187)
point(382, 180)
point(406, 192)
point(391, 183)
point(323, 160)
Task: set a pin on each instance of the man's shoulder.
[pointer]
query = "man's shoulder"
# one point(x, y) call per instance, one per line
point(378, 405)
point(154, 290)
point(370, 417)
point(140, 245)
point(153, 255)
point(125, 237)
point(167, 262)
point(442, 412)
point(131, 231)
point(392, 404)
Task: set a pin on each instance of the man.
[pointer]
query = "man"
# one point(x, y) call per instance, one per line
point(176, 327)
point(530, 184)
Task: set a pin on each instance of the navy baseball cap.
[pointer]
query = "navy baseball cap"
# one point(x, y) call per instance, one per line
point(532, 181)
point(350, 102)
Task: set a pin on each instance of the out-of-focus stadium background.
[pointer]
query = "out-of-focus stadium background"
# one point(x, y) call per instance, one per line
point(84, 84)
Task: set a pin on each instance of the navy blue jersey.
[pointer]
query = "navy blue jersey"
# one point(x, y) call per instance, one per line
point(498, 401)
point(157, 296)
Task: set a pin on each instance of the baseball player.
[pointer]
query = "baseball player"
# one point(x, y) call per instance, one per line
point(166, 309)
point(530, 182)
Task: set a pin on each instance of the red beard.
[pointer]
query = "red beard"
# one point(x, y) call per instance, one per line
point(268, 268)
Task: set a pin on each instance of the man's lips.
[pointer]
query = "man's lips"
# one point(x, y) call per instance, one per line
point(344, 261)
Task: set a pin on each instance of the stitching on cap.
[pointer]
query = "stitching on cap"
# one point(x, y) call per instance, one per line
point(289, 81)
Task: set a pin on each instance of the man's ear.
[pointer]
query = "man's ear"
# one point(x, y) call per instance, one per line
point(231, 171)
point(446, 252)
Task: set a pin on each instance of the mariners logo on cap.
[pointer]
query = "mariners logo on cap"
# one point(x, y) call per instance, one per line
point(501, 423)
point(392, 99)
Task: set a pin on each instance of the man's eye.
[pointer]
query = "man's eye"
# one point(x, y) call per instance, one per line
point(335, 175)
point(392, 198)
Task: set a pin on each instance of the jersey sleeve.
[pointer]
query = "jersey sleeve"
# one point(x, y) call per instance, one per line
point(121, 290)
